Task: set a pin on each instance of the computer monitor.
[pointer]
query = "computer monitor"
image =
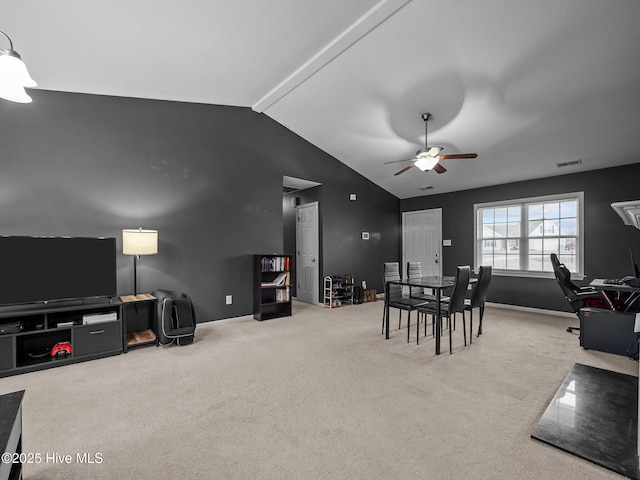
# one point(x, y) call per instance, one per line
point(635, 271)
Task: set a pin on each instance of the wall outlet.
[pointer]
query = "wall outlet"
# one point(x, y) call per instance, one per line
point(229, 299)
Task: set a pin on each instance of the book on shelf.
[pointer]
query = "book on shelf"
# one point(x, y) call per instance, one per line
point(276, 264)
point(283, 295)
point(281, 280)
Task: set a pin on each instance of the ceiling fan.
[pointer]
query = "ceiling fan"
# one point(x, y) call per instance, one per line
point(428, 158)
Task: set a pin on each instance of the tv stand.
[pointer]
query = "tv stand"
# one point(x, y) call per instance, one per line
point(28, 334)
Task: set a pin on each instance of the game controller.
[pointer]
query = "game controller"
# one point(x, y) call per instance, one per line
point(61, 350)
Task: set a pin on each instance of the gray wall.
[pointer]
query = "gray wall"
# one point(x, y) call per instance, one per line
point(607, 239)
point(342, 222)
point(208, 178)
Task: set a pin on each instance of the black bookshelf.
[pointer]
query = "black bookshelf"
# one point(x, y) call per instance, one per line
point(272, 286)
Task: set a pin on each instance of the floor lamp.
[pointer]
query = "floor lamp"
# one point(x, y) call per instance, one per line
point(139, 242)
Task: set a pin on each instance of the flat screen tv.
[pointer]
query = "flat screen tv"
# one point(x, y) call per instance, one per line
point(43, 269)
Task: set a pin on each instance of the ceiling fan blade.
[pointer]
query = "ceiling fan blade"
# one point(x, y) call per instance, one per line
point(439, 168)
point(457, 155)
point(398, 161)
point(405, 169)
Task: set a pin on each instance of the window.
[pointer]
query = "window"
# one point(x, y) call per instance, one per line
point(516, 237)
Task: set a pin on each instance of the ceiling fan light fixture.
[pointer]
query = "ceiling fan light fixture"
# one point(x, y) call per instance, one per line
point(426, 162)
point(428, 152)
point(428, 158)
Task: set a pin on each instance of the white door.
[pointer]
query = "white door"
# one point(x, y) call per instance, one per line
point(307, 268)
point(422, 241)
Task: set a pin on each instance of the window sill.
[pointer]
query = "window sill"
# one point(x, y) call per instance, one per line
point(513, 273)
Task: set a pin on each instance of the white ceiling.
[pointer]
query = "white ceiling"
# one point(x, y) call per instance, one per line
point(524, 84)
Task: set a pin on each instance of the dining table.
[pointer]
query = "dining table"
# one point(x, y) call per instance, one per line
point(436, 283)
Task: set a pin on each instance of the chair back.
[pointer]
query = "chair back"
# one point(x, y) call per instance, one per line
point(456, 303)
point(391, 271)
point(414, 271)
point(563, 277)
point(479, 295)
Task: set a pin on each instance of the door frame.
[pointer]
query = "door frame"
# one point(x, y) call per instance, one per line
point(316, 266)
point(404, 256)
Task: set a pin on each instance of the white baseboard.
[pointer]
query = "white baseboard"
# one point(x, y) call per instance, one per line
point(532, 310)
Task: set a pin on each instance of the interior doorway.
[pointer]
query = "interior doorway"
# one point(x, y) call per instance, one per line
point(301, 236)
point(307, 253)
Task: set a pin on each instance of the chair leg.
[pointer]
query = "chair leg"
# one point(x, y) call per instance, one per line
point(464, 328)
point(425, 324)
point(399, 318)
point(408, 324)
point(418, 328)
point(450, 341)
point(470, 325)
point(481, 315)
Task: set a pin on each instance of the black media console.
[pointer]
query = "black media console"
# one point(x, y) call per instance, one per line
point(28, 334)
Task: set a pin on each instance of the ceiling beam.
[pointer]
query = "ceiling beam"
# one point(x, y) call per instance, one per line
point(361, 27)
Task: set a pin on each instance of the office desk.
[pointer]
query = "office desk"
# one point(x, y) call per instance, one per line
point(605, 288)
point(436, 283)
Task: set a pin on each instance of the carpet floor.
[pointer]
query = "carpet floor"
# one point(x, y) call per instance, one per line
point(318, 395)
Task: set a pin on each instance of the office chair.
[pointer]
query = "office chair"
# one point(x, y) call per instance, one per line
point(578, 297)
point(478, 298)
point(454, 305)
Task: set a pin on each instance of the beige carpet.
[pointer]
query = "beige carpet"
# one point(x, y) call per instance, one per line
point(319, 395)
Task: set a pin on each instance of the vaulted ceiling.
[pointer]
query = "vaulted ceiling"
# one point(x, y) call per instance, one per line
point(526, 85)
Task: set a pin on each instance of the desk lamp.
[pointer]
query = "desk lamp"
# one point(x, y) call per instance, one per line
point(139, 242)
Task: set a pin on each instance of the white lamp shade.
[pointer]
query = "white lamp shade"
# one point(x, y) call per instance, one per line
point(139, 242)
point(13, 92)
point(13, 70)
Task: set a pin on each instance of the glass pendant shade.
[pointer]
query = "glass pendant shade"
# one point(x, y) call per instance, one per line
point(13, 69)
point(14, 76)
point(13, 92)
point(425, 163)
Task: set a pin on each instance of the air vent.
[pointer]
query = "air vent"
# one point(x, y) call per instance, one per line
point(424, 189)
point(569, 164)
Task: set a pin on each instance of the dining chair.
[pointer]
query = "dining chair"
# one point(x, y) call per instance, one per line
point(478, 298)
point(414, 271)
point(454, 305)
point(396, 298)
